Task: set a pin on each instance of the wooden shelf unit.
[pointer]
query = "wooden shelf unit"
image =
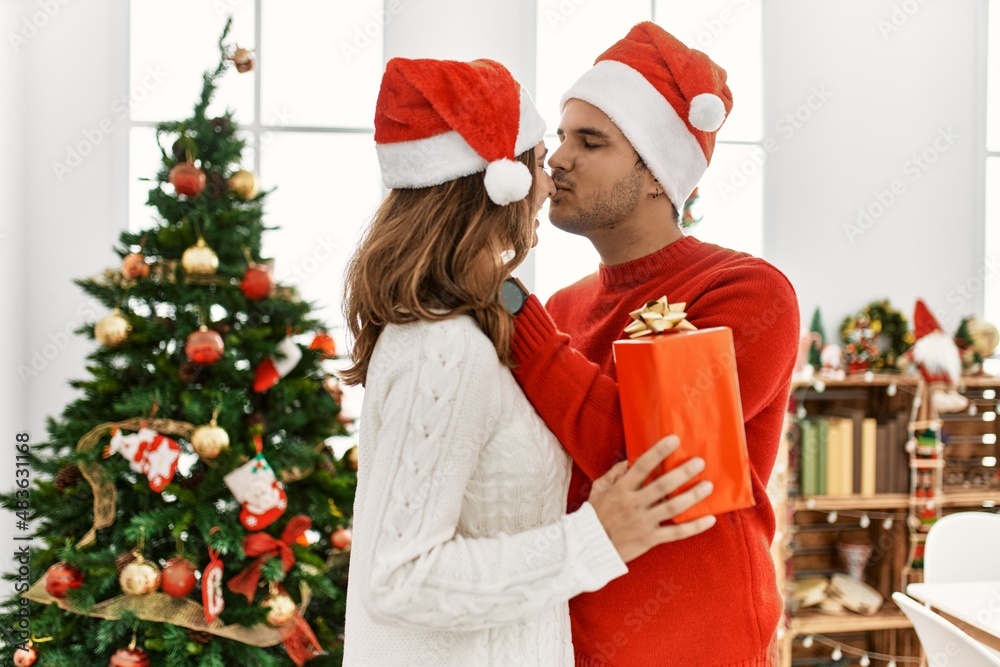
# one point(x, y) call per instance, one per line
point(892, 567)
point(810, 622)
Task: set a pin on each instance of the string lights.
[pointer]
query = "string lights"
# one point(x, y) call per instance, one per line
point(865, 658)
point(864, 517)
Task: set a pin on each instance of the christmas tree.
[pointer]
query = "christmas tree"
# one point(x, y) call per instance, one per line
point(185, 510)
point(818, 341)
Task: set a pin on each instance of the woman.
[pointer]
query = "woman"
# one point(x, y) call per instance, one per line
point(463, 554)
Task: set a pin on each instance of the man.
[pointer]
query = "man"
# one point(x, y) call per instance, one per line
point(637, 132)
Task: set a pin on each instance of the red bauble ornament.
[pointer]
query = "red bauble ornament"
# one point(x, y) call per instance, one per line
point(204, 346)
point(61, 577)
point(129, 657)
point(187, 179)
point(341, 538)
point(25, 657)
point(257, 282)
point(178, 578)
point(324, 345)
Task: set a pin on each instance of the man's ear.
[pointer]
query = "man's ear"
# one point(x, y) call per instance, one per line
point(650, 185)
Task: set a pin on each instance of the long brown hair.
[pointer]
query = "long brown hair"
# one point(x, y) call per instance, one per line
point(430, 249)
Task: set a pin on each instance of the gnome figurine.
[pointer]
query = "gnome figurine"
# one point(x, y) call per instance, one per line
point(936, 356)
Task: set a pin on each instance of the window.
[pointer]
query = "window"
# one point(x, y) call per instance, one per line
point(570, 37)
point(306, 110)
point(731, 193)
point(572, 34)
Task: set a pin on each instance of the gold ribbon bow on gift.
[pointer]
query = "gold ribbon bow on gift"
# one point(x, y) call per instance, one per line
point(659, 317)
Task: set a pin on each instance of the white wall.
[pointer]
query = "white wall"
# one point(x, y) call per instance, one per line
point(893, 94)
point(71, 222)
point(63, 229)
point(12, 245)
point(465, 30)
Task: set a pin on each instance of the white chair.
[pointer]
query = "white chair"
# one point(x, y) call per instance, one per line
point(963, 547)
point(944, 644)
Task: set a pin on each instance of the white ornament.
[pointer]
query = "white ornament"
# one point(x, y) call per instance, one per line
point(132, 447)
point(149, 453)
point(865, 521)
point(292, 354)
point(161, 459)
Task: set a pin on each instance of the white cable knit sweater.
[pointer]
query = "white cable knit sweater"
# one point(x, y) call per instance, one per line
point(462, 555)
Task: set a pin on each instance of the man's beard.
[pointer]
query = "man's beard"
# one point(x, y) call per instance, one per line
point(609, 208)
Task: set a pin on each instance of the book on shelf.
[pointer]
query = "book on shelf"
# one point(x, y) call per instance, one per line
point(809, 458)
point(869, 452)
point(847, 453)
point(839, 457)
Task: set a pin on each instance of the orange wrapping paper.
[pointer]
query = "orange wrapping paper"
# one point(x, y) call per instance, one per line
point(685, 383)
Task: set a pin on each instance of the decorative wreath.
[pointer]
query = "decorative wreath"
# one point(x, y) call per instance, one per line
point(875, 338)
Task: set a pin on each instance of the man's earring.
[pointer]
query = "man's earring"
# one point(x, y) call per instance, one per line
point(656, 194)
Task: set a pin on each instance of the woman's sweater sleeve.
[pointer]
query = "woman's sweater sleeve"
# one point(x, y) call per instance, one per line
point(424, 574)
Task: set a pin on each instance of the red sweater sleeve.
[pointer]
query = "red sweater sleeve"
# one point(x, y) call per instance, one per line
point(577, 402)
point(580, 404)
point(758, 303)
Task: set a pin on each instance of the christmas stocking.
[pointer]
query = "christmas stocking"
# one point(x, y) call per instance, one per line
point(273, 369)
point(261, 494)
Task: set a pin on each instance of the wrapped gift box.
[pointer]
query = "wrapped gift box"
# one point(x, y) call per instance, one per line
point(683, 382)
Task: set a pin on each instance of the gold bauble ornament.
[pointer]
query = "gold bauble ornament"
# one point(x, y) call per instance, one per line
point(243, 184)
point(140, 577)
point(281, 608)
point(984, 335)
point(112, 329)
point(209, 440)
point(199, 259)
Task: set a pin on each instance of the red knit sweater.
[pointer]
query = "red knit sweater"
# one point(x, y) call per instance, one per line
point(712, 599)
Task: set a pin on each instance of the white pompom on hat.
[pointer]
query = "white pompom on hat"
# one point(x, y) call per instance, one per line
point(668, 100)
point(438, 120)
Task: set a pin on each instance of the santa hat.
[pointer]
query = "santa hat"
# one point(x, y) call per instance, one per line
point(438, 120)
point(667, 99)
point(934, 351)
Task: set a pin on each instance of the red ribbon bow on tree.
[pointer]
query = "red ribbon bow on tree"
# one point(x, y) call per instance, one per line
point(265, 547)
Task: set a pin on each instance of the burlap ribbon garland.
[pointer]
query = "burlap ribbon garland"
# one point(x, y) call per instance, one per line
point(159, 607)
point(105, 496)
